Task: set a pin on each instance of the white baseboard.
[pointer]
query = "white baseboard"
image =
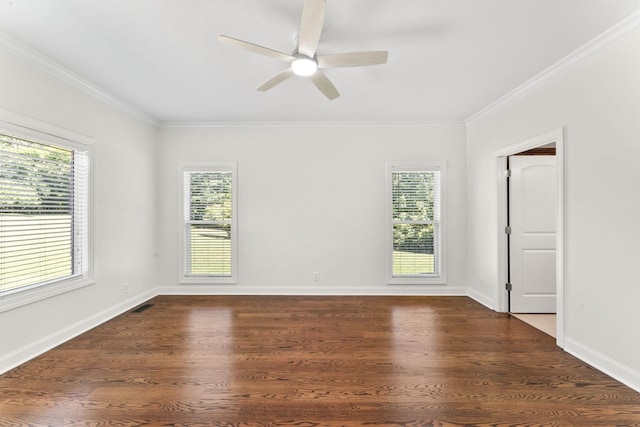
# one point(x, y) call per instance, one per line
point(614, 369)
point(395, 290)
point(481, 298)
point(36, 348)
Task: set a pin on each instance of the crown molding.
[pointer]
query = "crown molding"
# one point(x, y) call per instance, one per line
point(35, 58)
point(623, 29)
point(312, 124)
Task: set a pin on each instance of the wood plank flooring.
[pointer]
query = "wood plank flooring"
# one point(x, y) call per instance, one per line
point(313, 361)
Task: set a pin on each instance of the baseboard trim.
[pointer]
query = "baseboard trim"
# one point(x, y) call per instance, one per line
point(481, 298)
point(36, 348)
point(332, 291)
point(614, 369)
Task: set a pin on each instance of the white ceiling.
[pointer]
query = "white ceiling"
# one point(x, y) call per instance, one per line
point(447, 58)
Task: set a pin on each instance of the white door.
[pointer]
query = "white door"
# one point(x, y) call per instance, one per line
point(532, 243)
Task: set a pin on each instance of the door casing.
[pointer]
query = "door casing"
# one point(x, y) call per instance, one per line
point(555, 136)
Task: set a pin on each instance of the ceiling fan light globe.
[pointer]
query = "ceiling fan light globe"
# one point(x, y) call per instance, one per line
point(304, 66)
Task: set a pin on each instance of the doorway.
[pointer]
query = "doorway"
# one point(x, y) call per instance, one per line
point(531, 223)
point(539, 250)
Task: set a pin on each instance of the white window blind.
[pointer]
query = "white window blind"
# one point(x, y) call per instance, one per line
point(209, 230)
point(43, 213)
point(416, 222)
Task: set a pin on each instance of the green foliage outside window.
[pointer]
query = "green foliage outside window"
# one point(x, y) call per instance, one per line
point(413, 194)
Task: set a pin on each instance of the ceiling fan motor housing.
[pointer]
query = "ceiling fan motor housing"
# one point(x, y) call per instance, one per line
point(304, 66)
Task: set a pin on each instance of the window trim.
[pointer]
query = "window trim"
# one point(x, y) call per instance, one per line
point(441, 278)
point(209, 167)
point(28, 128)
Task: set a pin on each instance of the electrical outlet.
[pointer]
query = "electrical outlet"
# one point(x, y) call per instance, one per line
point(125, 288)
point(316, 276)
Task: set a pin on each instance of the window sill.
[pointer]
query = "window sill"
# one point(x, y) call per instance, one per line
point(417, 280)
point(208, 280)
point(21, 298)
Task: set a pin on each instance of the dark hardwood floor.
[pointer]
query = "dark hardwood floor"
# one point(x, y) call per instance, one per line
point(313, 361)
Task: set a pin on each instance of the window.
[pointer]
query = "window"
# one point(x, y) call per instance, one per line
point(44, 213)
point(416, 228)
point(209, 230)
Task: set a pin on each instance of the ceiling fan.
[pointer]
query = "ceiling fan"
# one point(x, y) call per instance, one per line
point(304, 61)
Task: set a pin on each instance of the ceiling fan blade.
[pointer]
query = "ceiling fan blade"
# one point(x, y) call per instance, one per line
point(322, 82)
point(254, 48)
point(311, 26)
point(276, 80)
point(353, 59)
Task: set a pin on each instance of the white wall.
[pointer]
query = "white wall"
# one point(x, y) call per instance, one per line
point(598, 102)
point(125, 206)
point(311, 200)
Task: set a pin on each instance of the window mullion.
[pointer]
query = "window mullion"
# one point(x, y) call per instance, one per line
point(396, 221)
